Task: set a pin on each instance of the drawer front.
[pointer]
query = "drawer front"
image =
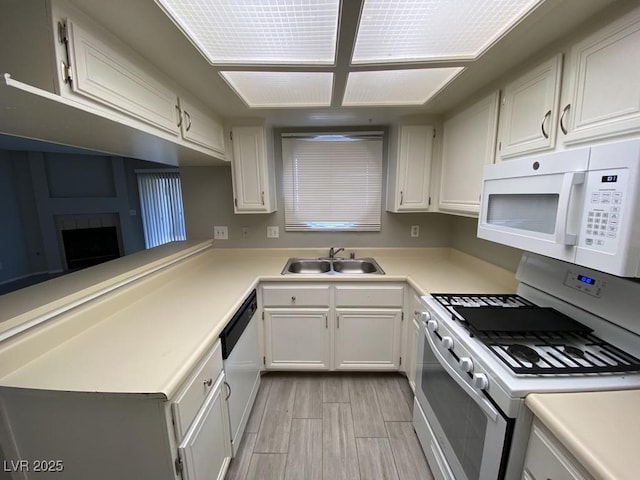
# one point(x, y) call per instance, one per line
point(546, 458)
point(295, 296)
point(195, 390)
point(369, 295)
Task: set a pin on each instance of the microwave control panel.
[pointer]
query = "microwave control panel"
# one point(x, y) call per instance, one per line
point(604, 202)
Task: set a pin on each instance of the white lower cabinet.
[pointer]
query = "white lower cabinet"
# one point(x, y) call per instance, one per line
point(351, 326)
point(205, 451)
point(547, 459)
point(368, 339)
point(297, 338)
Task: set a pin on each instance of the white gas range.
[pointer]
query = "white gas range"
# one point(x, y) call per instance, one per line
point(568, 329)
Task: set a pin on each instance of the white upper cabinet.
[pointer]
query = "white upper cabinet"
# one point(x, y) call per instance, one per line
point(411, 171)
point(603, 99)
point(253, 177)
point(529, 111)
point(199, 128)
point(469, 144)
point(109, 74)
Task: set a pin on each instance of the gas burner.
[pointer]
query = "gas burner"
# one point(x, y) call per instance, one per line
point(573, 351)
point(522, 352)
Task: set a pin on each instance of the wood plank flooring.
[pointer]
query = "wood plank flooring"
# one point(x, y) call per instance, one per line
point(331, 427)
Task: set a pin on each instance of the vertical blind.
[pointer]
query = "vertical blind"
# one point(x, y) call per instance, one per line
point(332, 182)
point(161, 205)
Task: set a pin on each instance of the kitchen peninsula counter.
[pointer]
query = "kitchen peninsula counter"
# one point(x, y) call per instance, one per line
point(144, 336)
point(600, 429)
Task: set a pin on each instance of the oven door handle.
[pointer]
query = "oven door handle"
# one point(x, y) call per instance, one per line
point(476, 395)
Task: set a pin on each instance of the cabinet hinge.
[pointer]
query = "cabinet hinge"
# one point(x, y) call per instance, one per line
point(499, 146)
point(235, 202)
point(429, 204)
point(263, 315)
point(402, 316)
point(434, 133)
point(264, 361)
point(179, 465)
point(231, 136)
point(63, 37)
point(400, 362)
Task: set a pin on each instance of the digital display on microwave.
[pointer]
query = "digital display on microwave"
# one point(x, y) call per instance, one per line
point(609, 178)
point(587, 280)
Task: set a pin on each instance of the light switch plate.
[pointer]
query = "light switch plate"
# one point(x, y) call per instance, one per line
point(220, 233)
point(415, 231)
point(273, 231)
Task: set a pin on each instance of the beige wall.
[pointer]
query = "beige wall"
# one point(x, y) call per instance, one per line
point(208, 201)
point(464, 238)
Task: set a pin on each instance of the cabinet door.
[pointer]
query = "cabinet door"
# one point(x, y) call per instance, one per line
point(605, 83)
point(297, 338)
point(205, 450)
point(469, 143)
point(367, 339)
point(412, 354)
point(414, 168)
point(529, 111)
point(109, 74)
point(199, 128)
point(250, 171)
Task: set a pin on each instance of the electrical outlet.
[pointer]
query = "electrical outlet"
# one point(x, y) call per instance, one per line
point(415, 231)
point(221, 233)
point(273, 231)
point(245, 232)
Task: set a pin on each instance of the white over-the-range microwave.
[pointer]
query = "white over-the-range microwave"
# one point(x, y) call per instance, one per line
point(581, 206)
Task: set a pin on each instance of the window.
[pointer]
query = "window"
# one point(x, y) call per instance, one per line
point(161, 205)
point(332, 181)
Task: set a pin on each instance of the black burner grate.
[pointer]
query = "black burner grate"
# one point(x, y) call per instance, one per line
point(569, 348)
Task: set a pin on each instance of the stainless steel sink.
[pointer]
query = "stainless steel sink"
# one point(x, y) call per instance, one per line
point(332, 266)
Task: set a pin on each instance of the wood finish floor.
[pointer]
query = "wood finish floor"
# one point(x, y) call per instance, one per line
point(331, 427)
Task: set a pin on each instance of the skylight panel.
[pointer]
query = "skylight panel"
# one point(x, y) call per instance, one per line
point(396, 87)
point(282, 89)
point(424, 30)
point(267, 32)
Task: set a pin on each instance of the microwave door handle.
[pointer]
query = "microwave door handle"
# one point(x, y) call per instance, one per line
point(563, 237)
point(478, 397)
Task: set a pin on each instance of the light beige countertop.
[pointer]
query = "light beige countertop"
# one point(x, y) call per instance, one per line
point(600, 429)
point(144, 337)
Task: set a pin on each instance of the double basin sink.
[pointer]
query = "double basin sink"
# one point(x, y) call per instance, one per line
point(332, 266)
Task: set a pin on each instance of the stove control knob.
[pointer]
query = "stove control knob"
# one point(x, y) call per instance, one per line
point(447, 342)
point(466, 364)
point(432, 326)
point(480, 381)
point(425, 316)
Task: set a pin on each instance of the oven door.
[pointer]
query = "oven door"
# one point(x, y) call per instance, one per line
point(468, 433)
point(535, 203)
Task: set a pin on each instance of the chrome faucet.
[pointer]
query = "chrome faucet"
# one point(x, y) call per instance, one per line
point(333, 252)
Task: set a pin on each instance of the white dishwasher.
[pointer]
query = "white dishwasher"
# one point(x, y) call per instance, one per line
point(241, 366)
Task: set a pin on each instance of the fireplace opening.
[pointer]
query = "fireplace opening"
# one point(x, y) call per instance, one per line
point(85, 247)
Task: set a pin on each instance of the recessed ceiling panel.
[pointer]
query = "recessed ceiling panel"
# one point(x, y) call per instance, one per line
point(423, 30)
point(282, 89)
point(396, 87)
point(263, 32)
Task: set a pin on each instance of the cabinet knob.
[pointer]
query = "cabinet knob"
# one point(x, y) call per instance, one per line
point(293, 299)
point(208, 382)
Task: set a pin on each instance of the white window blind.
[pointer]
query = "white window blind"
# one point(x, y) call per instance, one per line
point(332, 182)
point(161, 205)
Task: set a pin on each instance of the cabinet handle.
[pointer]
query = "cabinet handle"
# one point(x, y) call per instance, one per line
point(262, 197)
point(208, 382)
point(229, 388)
point(401, 197)
point(188, 119)
point(293, 299)
point(564, 111)
point(179, 116)
point(338, 320)
point(326, 321)
point(546, 115)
